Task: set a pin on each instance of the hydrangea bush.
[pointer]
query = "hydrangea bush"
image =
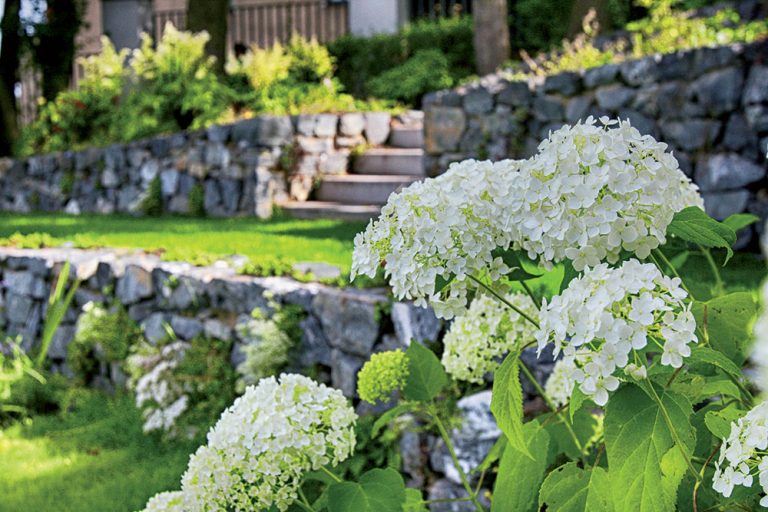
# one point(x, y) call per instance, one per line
point(585, 251)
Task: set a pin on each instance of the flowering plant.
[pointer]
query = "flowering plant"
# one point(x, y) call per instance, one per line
point(585, 251)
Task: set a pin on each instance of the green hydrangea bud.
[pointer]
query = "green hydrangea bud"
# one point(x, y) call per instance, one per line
point(384, 373)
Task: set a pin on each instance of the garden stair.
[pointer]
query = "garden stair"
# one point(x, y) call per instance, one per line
point(375, 174)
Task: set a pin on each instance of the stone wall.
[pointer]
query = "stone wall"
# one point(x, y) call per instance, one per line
point(710, 105)
point(236, 169)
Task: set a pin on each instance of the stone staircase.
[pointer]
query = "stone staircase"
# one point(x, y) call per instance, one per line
point(374, 175)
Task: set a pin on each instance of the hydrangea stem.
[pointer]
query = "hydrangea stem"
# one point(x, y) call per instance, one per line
point(564, 418)
point(672, 431)
point(658, 253)
point(505, 301)
point(452, 451)
point(719, 285)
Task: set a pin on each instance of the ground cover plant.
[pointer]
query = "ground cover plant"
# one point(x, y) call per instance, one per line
point(648, 406)
point(280, 239)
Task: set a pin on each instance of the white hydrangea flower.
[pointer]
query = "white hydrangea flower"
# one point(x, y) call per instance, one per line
point(593, 190)
point(166, 502)
point(560, 384)
point(743, 454)
point(760, 347)
point(604, 317)
point(484, 333)
point(445, 226)
point(158, 393)
point(262, 445)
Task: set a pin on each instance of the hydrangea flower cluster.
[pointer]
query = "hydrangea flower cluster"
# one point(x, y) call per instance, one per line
point(760, 348)
point(481, 336)
point(609, 314)
point(560, 384)
point(594, 189)
point(383, 374)
point(262, 445)
point(161, 397)
point(743, 454)
point(171, 501)
point(439, 227)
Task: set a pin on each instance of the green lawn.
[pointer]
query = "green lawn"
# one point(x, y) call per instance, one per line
point(186, 238)
point(92, 459)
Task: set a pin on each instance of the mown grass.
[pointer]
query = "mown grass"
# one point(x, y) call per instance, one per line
point(94, 458)
point(196, 239)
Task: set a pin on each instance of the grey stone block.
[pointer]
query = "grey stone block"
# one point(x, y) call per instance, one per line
point(727, 172)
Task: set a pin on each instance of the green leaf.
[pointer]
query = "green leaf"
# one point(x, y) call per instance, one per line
point(739, 221)
point(441, 282)
point(379, 490)
point(494, 454)
point(413, 501)
point(517, 484)
point(569, 273)
point(693, 225)
point(727, 321)
point(426, 376)
point(383, 420)
point(522, 267)
point(715, 358)
point(719, 422)
point(583, 423)
point(719, 387)
point(577, 400)
point(679, 259)
point(637, 440)
point(570, 488)
point(507, 402)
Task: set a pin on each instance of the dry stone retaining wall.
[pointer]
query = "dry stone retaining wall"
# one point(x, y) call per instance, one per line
point(235, 169)
point(710, 105)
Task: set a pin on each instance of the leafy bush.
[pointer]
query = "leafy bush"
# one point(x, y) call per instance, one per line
point(361, 59)
point(152, 204)
point(427, 70)
point(309, 60)
point(83, 115)
point(177, 87)
point(101, 336)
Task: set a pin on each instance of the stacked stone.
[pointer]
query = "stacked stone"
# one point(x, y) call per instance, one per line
point(235, 169)
point(709, 104)
point(342, 327)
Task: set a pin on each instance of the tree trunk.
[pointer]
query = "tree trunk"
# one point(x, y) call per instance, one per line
point(491, 34)
point(55, 48)
point(10, 26)
point(211, 16)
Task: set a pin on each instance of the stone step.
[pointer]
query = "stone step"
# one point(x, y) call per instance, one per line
point(361, 189)
point(331, 210)
point(391, 161)
point(406, 136)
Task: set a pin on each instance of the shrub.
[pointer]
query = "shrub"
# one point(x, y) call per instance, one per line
point(427, 70)
point(177, 87)
point(309, 60)
point(152, 204)
point(101, 336)
point(197, 201)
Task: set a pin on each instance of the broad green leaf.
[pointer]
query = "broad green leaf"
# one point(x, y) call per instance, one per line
point(719, 387)
point(569, 273)
point(517, 484)
point(383, 420)
point(441, 282)
point(637, 439)
point(379, 490)
point(719, 422)
point(727, 321)
point(507, 402)
point(570, 488)
point(426, 376)
point(522, 267)
point(715, 358)
point(577, 400)
point(679, 259)
point(561, 441)
point(693, 225)
point(739, 221)
point(413, 501)
point(494, 454)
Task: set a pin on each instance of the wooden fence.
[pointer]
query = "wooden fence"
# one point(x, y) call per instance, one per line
point(266, 22)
